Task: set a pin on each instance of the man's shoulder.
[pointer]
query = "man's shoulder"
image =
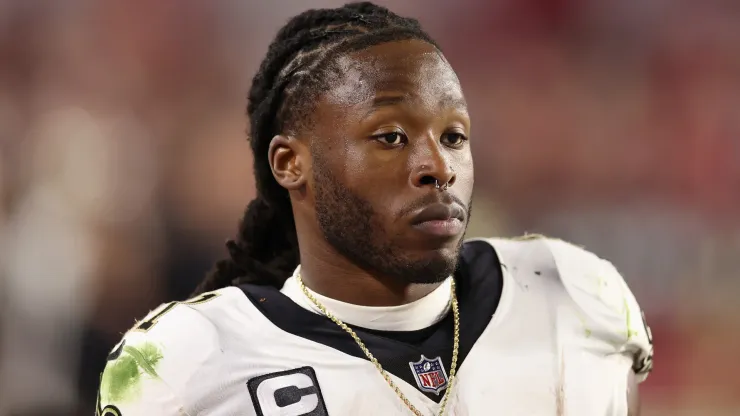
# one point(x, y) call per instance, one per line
point(598, 292)
point(548, 255)
point(171, 343)
point(527, 245)
point(179, 321)
point(590, 280)
point(160, 361)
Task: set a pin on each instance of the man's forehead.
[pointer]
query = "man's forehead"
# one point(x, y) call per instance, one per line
point(366, 74)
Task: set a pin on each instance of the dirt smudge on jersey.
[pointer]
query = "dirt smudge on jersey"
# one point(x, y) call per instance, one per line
point(122, 377)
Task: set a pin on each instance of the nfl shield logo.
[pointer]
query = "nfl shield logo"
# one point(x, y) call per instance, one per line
point(430, 375)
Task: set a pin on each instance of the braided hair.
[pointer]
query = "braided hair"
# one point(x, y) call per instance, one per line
point(298, 66)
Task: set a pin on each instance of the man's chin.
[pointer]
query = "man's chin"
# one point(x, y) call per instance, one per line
point(437, 251)
point(433, 267)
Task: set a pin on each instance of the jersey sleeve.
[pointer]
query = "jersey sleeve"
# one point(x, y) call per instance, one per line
point(131, 386)
point(156, 369)
point(609, 310)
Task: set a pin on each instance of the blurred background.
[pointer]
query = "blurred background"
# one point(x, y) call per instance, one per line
point(614, 124)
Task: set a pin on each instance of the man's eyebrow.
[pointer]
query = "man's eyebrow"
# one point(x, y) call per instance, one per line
point(389, 100)
point(386, 100)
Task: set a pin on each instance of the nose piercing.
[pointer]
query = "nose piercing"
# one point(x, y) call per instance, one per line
point(442, 187)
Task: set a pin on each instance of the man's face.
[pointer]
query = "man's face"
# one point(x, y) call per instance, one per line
point(387, 136)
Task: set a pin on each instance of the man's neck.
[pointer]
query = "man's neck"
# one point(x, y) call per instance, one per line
point(412, 316)
point(342, 280)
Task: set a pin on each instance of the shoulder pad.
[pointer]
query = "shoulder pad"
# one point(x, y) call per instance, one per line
point(610, 309)
point(158, 359)
point(185, 336)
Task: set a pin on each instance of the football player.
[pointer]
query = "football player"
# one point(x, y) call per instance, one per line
point(350, 289)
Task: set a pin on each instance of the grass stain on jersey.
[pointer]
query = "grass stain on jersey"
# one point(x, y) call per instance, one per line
point(122, 377)
point(631, 333)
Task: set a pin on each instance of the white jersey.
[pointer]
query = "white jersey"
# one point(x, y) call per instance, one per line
point(546, 328)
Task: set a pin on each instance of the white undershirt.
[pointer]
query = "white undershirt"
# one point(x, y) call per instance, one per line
point(412, 316)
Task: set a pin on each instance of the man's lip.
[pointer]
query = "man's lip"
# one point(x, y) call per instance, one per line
point(439, 212)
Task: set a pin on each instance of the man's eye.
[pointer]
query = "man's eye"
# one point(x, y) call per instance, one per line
point(454, 139)
point(392, 139)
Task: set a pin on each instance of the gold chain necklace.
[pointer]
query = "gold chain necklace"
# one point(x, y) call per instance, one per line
point(371, 357)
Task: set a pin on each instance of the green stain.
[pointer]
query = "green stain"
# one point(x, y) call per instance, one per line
point(625, 310)
point(583, 322)
point(122, 377)
point(628, 315)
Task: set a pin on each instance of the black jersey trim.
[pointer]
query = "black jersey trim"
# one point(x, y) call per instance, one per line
point(479, 282)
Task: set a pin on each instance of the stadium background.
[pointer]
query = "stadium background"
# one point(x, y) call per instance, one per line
point(614, 124)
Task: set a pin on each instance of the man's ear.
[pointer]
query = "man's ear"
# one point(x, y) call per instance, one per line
point(289, 162)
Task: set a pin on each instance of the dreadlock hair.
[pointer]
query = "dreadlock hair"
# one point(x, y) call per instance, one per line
point(298, 66)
